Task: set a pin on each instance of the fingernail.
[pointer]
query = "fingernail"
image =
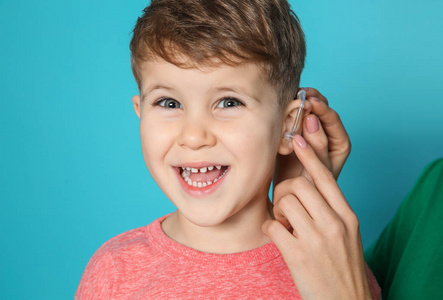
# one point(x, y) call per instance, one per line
point(316, 99)
point(300, 141)
point(312, 125)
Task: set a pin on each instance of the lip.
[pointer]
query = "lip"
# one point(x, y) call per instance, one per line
point(196, 191)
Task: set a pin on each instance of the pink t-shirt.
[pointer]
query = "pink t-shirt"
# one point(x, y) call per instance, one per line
point(144, 263)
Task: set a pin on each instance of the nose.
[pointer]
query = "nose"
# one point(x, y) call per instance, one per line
point(196, 133)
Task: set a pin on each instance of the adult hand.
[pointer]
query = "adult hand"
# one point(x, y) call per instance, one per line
point(322, 248)
point(325, 133)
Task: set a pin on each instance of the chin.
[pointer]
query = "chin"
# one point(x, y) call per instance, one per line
point(206, 219)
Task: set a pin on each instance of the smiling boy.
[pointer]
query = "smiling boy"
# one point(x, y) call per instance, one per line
point(216, 80)
point(199, 151)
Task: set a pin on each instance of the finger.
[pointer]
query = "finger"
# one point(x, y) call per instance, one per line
point(322, 177)
point(312, 92)
point(316, 137)
point(329, 118)
point(291, 214)
point(309, 199)
point(339, 144)
point(282, 238)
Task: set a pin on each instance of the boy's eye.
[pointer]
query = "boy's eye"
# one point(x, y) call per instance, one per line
point(168, 103)
point(229, 102)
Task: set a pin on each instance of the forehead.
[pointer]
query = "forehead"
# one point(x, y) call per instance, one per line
point(249, 77)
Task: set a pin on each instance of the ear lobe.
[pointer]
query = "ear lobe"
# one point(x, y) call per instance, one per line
point(285, 147)
point(136, 104)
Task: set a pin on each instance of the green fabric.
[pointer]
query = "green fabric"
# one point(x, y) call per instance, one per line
point(407, 258)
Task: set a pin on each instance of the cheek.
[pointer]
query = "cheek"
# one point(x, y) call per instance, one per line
point(254, 138)
point(155, 140)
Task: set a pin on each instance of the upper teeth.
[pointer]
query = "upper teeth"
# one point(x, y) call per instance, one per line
point(201, 170)
point(187, 172)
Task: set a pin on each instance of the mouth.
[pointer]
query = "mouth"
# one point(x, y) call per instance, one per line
point(202, 177)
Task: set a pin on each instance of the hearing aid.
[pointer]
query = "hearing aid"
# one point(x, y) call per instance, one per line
point(296, 128)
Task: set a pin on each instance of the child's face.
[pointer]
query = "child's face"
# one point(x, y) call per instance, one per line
point(221, 125)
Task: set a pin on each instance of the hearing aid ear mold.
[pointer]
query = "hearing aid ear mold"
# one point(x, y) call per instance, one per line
point(301, 95)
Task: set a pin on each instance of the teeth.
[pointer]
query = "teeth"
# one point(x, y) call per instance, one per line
point(201, 170)
point(186, 173)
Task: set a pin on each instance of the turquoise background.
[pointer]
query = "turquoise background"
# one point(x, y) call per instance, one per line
point(71, 170)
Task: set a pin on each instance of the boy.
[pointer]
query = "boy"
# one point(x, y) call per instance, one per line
point(216, 80)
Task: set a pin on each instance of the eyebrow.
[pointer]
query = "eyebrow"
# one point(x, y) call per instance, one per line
point(154, 87)
point(238, 90)
point(235, 89)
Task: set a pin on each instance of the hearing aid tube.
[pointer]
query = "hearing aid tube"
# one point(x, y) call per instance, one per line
point(301, 95)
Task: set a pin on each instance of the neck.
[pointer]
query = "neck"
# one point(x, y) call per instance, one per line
point(238, 233)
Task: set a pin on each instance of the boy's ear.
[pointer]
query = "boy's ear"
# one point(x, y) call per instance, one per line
point(136, 103)
point(289, 117)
